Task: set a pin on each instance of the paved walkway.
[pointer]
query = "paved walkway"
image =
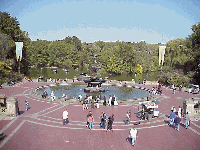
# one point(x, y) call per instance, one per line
point(41, 126)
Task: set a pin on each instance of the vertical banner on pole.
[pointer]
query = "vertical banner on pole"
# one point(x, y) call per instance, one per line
point(161, 54)
point(19, 46)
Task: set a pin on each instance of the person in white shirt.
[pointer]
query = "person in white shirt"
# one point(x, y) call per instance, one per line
point(110, 99)
point(133, 134)
point(52, 96)
point(65, 116)
point(179, 112)
point(80, 97)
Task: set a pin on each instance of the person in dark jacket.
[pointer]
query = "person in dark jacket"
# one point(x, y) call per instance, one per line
point(110, 122)
point(177, 121)
point(104, 101)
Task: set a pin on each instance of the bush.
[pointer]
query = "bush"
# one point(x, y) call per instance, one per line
point(175, 78)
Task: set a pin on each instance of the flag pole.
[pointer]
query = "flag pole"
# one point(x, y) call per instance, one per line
point(19, 66)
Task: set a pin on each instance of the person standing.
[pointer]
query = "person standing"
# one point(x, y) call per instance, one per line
point(127, 118)
point(90, 112)
point(79, 97)
point(133, 134)
point(110, 99)
point(26, 104)
point(179, 112)
point(172, 116)
point(92, 103)
point(177, 121)
point(97, 99)
point(180, 88)
point(144, 81)
point(64, 96)
point(91, 121)
point(104, 100)
point(174, 109)
point(174, 89)
point(89, 98)
point(84, 104)
point(110, 122)
point(52, 96)
point(65, 117)
point(187, 119)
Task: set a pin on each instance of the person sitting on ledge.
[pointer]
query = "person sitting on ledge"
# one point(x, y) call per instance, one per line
point(97, 99)
point(139, 81)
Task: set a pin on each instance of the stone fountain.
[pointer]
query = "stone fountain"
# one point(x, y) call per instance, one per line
point(94, 82)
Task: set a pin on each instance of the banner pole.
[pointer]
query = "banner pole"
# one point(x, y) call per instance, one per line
point(19, 67)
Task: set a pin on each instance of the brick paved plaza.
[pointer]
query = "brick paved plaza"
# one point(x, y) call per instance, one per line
point(41, 126)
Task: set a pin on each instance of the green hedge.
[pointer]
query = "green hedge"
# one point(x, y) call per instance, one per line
point(175, 78)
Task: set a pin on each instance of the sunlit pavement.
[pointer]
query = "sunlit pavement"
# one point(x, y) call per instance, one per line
point(41, 126)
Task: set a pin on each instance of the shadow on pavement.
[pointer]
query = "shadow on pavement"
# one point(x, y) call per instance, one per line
point(2, 136)
point(167, 122)
point(183, 125)
point(20, 112)
point(128, 139)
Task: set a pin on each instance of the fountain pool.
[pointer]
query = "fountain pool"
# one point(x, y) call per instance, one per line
point(121, 93)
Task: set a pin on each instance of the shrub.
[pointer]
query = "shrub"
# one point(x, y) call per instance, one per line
point(175, 78)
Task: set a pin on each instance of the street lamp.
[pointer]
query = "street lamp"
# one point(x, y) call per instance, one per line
point(18, 59)
point(171, 52)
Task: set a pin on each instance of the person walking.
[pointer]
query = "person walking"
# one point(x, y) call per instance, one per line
point(133, 134)
point(102, 124)
point(177, 121)
point(90, 121)
point(110, 122)
point(65, 117)
point(187, 119)
point(172, 116)
point(26, 104)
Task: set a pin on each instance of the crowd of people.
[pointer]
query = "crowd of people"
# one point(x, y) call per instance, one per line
point(107, 121)
point(158, 91)
point(175, 118)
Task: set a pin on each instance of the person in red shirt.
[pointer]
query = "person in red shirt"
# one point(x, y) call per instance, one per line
point(90, 121)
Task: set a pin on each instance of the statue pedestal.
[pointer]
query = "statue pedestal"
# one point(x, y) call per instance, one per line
point(12, 106)
point(3, 100)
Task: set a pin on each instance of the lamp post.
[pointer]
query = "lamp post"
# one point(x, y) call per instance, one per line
point(171, 52)
point(18, 59)
point(19, 67)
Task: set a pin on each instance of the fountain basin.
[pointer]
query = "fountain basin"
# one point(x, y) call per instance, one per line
point(94, 89)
